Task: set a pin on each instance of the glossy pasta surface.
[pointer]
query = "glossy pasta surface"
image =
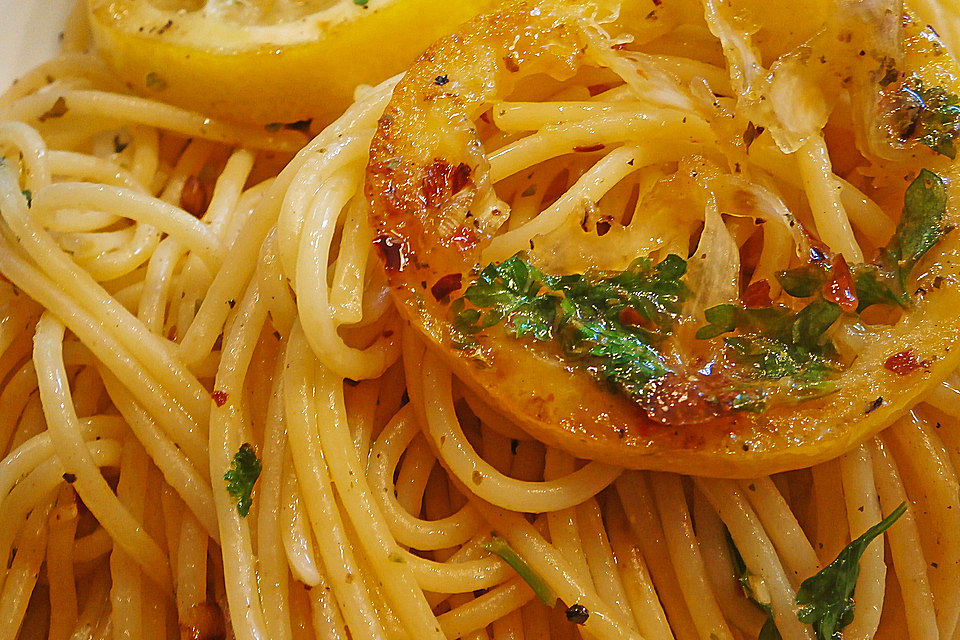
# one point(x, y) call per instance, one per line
point(595, 323)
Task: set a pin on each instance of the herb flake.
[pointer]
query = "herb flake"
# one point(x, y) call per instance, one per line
point(242, 475)
point(612, 324)
point(929, 115)
point(57, 110)
point(775, 343)
point(499, 547)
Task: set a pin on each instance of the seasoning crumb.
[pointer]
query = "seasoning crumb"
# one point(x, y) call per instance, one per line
point(577, 614)
point(57, 110)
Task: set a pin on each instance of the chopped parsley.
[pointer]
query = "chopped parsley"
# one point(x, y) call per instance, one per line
point(929, 115)
point(753, 586)
point(242, 475)
point(612, 324)
point(155, 81)
point(921, 225)
point(825, 599)
point(776, 343)
point(499, 547)
point(884, 281)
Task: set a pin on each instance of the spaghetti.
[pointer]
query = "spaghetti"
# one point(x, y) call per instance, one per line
point(197, 313)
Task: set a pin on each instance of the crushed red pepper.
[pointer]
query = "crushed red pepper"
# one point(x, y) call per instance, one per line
point(757, 295)
point(219, 397)
point(587, 148)
point(839, 288)
point(442, 180)
point(394, 252)
point(904, 363)
point(447, 285)
point(193, 197)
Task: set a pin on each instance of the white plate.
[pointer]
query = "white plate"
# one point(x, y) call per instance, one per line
point(29, 34)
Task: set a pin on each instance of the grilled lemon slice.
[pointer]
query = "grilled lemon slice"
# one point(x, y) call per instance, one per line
point(267, 62)
point(464, 171)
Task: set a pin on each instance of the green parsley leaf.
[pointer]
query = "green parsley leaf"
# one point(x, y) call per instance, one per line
point(499, 547)
point(801, 282)
point(609, 323)
point(921, 225)
point(812, 322)
point(929, 115)
point(775, 343)
point(769, 631)
point(753, 586)
point(29, 196)
point(876, 284)
point(751, 583)
point(826, 599)
point(242, 475)
point(885, 281)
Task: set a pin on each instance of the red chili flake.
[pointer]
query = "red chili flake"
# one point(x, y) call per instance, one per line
point(219, 397)
point(757, 295)
point(904, 362)
point(394, 252)
point(193, 197)
point(632, 318)
point(447, 285)
point(587, 148)
point(839, 289)
point(511, 64)
point(441, 180)
point(466, 237)
point(459, 177)
point(435, 182)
